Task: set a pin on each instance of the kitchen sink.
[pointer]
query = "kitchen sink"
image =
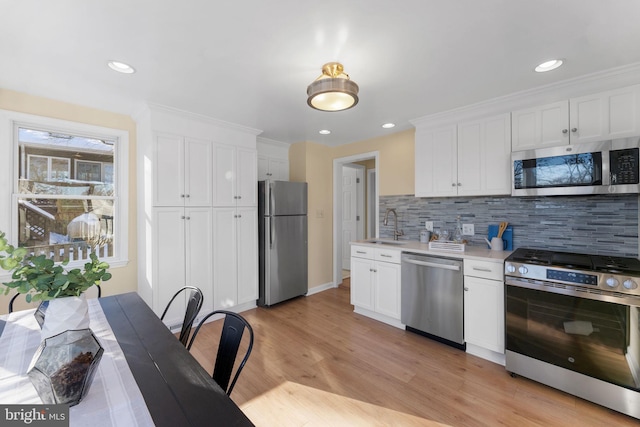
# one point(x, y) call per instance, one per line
point(385, 242)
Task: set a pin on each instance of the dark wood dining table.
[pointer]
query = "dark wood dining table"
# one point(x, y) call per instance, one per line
point(176, 389)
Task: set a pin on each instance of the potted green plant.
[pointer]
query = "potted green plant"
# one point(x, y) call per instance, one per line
point(41, 279)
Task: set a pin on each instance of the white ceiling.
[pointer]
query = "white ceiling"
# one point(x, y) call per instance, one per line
point(249, 62)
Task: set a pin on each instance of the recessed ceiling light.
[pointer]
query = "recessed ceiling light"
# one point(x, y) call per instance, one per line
point(324, 132)
point(121, 67)
point(549, 65)
point(389, 125)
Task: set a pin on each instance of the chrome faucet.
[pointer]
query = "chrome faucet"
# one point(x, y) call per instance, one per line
point(396, 233)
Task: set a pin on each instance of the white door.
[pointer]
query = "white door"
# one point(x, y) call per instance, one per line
point(247, 241)
point(199, 252)
point(225, 273)
point(168, 170)
point(246, 177)
point(198, 176)
point(349, 212)
point(168, 261)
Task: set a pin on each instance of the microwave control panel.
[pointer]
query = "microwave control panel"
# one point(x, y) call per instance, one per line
point(623, 166)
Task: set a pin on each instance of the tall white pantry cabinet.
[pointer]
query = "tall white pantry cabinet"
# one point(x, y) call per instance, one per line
point(197, 211)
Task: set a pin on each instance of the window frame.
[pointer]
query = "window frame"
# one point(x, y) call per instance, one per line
point(10, 122)
point(49, 164)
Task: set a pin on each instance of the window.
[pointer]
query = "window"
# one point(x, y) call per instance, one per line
point(68, 190)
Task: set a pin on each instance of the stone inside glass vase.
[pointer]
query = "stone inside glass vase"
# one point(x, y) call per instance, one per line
point(64, 365)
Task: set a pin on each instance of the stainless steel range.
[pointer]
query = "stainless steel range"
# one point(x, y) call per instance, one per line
point(573, 323)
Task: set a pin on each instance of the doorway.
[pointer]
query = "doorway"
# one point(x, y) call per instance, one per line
point(341, 249)
point(353, 210)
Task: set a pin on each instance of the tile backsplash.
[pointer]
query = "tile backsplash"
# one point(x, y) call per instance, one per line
point(597, 224)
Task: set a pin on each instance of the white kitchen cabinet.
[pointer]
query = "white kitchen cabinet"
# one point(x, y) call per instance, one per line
point(273, 168)
point(235, 256)
point(182, 255)
point(181, 171)
point(375, 283)
point(181, 154)
point(484, 309)
point(596, 117)
point(468, 159)
point(234, 176)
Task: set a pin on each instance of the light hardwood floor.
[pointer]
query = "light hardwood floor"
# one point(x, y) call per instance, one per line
point(316, 363)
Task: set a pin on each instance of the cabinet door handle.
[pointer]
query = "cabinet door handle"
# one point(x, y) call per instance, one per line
point(488, 270)
point(188, 217)
point(188, 195)
point(574, 129)
point(386, 256)
point(182, 217)
point(459, 185)
point(565, 130)
point(466, 289)
point(182, 195)
point(360, 252)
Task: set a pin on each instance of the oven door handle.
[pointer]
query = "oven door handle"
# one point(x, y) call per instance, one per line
point(432, 264)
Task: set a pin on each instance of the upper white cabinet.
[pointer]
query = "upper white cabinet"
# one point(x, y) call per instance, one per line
point(601, 116)
point(235, 176)
point(181, 171)
point(470, 158)
point(273, 168)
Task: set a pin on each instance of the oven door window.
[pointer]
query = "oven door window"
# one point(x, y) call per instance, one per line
point(571, 170)
point(596, 338)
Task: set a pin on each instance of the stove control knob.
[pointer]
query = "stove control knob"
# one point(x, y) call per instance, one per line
point(630, 284)
point(523, 269)
point(612, 282)
point(511, 268)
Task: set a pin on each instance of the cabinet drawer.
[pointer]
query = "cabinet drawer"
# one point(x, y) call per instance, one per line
point(388, 255)
point(362, 252)
point(484, 269)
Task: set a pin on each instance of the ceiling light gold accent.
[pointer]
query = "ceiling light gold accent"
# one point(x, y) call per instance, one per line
point(333, 90)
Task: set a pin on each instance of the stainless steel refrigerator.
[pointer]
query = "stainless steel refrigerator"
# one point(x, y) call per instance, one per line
point(282, 233)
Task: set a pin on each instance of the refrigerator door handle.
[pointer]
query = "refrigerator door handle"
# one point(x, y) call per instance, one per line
point(271, 232)
point(270, 198)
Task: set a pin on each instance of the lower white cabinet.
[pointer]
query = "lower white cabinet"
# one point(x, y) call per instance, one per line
point(235, 256)
point(182, 253)
point(375, 283)
point(484, 309)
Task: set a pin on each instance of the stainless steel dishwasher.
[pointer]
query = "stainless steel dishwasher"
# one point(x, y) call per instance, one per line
point(432, 297)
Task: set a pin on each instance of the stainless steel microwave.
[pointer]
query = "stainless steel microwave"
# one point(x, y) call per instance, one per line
point(607, 167)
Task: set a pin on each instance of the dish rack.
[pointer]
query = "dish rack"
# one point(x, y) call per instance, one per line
point(444, 245)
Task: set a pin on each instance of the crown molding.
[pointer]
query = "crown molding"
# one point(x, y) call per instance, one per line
point(583, 85)
point(195, 116)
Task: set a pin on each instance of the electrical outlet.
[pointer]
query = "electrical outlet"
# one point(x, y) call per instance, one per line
point(428, 225)
point(468, 229)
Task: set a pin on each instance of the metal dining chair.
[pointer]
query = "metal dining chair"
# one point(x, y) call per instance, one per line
point(193, 308)
point(230, 338)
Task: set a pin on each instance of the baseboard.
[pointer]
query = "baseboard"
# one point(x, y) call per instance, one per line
point(321, 288)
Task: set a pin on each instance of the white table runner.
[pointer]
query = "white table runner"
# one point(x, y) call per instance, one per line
point(114, 398)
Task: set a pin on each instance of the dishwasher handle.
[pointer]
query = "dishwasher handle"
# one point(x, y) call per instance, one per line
point(432, 264)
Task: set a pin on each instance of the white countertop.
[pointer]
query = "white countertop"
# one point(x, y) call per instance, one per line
point(471, 251)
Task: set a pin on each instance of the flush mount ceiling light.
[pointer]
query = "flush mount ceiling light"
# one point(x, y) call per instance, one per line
point(388, 125)
point(324, 132)
point(121, 67)
point(333, 90)
point(549, 65)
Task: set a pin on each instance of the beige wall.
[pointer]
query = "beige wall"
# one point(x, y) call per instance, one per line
point(124, 278)
point(313, 163)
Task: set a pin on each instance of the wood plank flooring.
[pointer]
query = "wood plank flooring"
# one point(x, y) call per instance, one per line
point(316, 363)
